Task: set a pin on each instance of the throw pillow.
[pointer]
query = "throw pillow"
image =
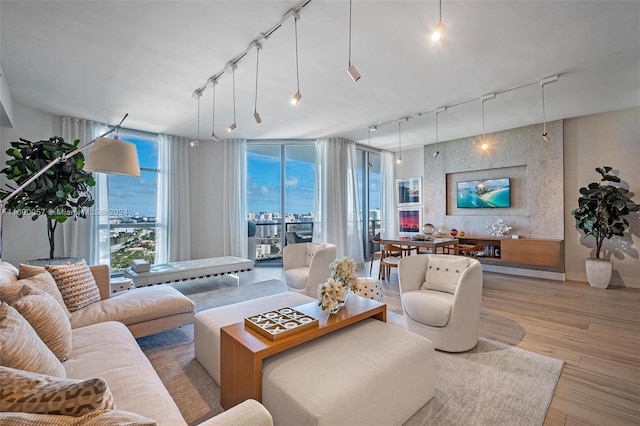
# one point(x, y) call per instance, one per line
point(76, 284)
point(21, 348)
point(40, 278)
point(49, 320)
point(443, 273)
point(22, 391)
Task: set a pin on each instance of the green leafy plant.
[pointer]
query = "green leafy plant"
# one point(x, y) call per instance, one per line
point(602, 209)
point(60, 193)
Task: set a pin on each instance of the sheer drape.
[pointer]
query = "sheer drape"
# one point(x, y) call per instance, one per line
point(234, 199)
point(173, 232)
point(388, 207)
point(337, 217)
point(81, 237)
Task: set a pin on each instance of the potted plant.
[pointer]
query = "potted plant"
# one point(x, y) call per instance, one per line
point(601, 212)
point(60, 193)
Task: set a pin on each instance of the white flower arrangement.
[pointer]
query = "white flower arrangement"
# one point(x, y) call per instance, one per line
point(343, 270)
point(330, 294)
point(498, 229)
point(333, 293)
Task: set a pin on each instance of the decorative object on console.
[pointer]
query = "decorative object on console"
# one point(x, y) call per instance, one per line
point(453, 232)
point(428, 230)
point(601, 213)
point(499, 228)
point(62, 188)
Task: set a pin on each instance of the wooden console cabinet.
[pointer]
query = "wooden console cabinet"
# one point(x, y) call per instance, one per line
point(524, 251)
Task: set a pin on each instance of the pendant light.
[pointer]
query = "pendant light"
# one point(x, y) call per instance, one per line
point(196, 142)
point(296, 98)
point(484, 145)
point(256, 115)
point(440, 28)
point(544, 81)
point(233, 125)
point(213, 111)
point(399, 160)
point(353, 72)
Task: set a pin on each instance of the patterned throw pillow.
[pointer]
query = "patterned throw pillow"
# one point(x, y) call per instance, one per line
point(443, 273)
point(21, 391)
point(49, 320)
point(96, 418)
point(21, 348)
point(76, 284)
point(40, 278)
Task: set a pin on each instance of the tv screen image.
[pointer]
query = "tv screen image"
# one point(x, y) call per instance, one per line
point(487, 193)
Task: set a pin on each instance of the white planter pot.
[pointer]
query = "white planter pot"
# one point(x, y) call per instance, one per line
point(599, 272)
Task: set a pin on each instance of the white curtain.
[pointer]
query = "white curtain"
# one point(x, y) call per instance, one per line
point(80, 237)
point(235, 235)
point(388, 207)
point(173, 232)
point(337, 209)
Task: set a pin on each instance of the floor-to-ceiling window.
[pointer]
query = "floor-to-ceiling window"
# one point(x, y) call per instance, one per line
point(280, 195)
point(132, 201)
point(369, 185)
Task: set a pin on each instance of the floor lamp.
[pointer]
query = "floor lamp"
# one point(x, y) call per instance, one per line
point(107, 156)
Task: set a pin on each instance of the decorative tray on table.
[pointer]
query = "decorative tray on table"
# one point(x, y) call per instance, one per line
point(279, 323)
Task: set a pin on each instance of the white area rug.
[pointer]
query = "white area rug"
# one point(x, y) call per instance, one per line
point(493, 384)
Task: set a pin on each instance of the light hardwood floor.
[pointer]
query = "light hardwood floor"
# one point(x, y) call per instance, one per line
point(595, 332)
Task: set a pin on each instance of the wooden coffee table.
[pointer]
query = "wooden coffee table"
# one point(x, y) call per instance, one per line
point(242, 350)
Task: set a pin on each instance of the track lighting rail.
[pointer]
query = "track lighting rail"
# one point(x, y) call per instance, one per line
point(294, 12)
point(482, 98)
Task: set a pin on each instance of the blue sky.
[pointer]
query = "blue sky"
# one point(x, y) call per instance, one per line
point(263, 184)
point(133, 194)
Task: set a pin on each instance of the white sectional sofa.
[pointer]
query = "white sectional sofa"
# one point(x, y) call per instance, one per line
point(108, 350)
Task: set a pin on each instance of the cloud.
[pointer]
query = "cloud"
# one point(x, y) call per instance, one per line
point(264, 190)
point(292, 181)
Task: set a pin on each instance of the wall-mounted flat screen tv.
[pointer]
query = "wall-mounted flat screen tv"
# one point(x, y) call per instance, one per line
point(486, 193)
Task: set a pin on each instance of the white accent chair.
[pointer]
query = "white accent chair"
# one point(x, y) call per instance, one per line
point(441, 296)
point(306, 266)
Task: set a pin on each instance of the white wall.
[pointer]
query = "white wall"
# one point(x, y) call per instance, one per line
point(610, 139)
point(23, 239)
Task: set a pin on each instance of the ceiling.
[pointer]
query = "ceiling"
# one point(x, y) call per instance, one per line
point(101, 59)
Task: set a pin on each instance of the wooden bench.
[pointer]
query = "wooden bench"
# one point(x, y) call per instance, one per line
point(190, 270)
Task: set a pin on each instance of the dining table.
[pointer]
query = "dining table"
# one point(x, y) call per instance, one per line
point(431, 243)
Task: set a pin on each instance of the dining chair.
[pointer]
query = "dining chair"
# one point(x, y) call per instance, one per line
point(389, 258)
point(375, 254)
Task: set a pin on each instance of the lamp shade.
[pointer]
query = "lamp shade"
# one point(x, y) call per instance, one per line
point(113, 156)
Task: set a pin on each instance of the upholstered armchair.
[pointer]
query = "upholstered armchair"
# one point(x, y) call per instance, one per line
point(441, 297)
point(306, 266)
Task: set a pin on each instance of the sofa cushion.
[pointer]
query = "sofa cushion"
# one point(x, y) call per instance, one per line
point(428, 306)
point(21, 348)
point(108, 350)
point(443, 273)
point(45, 315)
point(37, 393)
point(76, 284)
point(95, 418)
point(297, 277)
point(40, 278)
point(135, 306)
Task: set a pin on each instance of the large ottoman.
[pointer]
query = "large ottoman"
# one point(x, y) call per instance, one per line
point(370, 373)
point(207, 324)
